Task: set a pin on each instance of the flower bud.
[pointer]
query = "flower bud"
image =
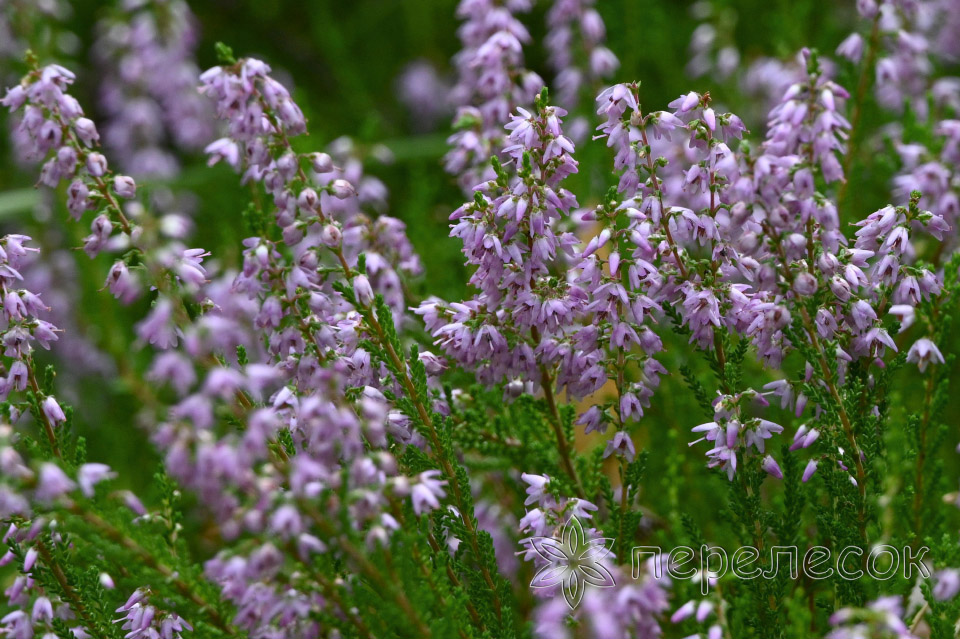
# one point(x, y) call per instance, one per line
point(308, 199)
point(591, 25)
point(362, 289)
point(342, 189)
point(828, 263)
point(52, 411)
point(772, 468)
point(125, 186)
point(322, 162)
point(86, 130)
point(287, 165)
point(292, 233)
point(805, 284)
point(840, 288)
point(96, 164)
point(77, 201)
point(684, 611)
point(30, 559)
point(66, 160)
point(331, 236)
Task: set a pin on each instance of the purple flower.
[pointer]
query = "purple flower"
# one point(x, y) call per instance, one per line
point(851, 48)
point(89, 475)
point(363, 291)
point(622, 446)
point(123, 284)
point(96, 164)
point(144, 621)
point(924, 352)
point(52, 483)
point(805, 284)
point(771, 467)
point(42, 610)
point(947, 584)
point(158, 328)
point(427, 492)
point(882, 617)
point(52, 411)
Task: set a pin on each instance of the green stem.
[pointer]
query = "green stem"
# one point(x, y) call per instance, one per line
point(76, 604)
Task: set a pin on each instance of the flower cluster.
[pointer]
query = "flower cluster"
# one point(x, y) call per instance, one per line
point(23, 328)
point(142, 620)
point(327, 468)
point(567, 22)
point(510, 234)
point(491, 82)
point(561, 548)
point(149, 93)
point(906, 41)
point(731, 434)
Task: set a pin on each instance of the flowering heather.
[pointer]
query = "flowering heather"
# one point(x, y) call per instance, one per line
point(149, 89)
point(666, 322)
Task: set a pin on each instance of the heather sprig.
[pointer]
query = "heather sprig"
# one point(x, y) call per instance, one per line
point(148, 92)
point(369, 340)
point(575, 43)
point(492, 81)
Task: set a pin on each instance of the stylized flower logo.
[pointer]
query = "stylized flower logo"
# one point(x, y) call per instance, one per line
point(573, 561)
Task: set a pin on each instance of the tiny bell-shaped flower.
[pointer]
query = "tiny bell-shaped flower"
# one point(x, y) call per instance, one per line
point(89, 475)
point(52, 411)
point(622, 446)
point(52, 483)
point(322, 162)
point(342, 189)
point(427, 493)
point(433, 364)
point(771, 467)
point(923, 353)
point(308, 200)
point(947, 584)
point(86, 130)
point(363, 290)
point(42, 610)
point(331, 236)
point(122, 283)
point(96, 164)
point(805, 284)
point(125, 186)
point(851, 48)
point(77, 202)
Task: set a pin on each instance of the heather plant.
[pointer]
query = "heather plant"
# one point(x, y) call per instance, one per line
point(695, 381)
